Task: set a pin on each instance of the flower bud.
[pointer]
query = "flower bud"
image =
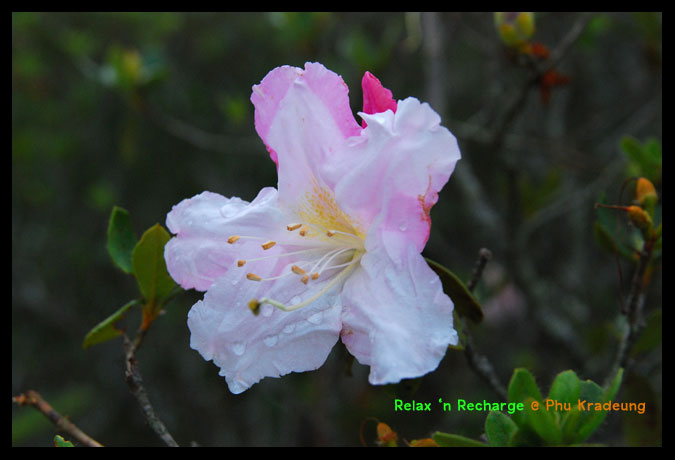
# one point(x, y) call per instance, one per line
point(426, 442)
point(646, 195)
point(639, 217)
point(515, 29)
point(386, 437)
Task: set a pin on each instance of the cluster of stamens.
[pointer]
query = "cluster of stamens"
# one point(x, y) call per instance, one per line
point(332, 243)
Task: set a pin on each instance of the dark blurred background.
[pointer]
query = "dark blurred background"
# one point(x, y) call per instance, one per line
point(142, 110)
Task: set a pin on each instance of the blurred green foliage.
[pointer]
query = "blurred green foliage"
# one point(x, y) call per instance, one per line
point(142, 110)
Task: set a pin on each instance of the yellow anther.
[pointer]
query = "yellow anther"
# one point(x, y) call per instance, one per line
point(291, 227)
point(254, 305)
point(233, 239)
point(297, 270)
point(304, 279)
point(303, 230)
point(268, 245)
point(253, 277)
point(315, 276)
point(241, 263)
point(330, 232)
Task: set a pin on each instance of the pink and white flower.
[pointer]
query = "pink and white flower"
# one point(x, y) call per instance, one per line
point(334, 251)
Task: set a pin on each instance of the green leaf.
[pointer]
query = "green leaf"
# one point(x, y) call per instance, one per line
point(458, 324)
point(521, 387)
point(152, 276)
point(106, 329)
point(605, 229)
point(121, 239)
point(544, 422)
point(464, 301)
point(644, 159)
point(590, 420)
point(499, 429)
point(632, 148)
point(60, 442)
point(455, 440)
point(565, 388)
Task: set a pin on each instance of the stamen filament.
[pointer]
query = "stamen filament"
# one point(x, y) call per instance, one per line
point(334, 266)
point(333, 282)
point(323, 267)
point(346, 234)
point(328, 254)
point(283, 254)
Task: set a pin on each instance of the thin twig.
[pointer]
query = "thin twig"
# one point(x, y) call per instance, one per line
point(484, 256)
point(34, 399)
point(479, 363)
point(135, 383)
point(633, 311)
point(536, 71)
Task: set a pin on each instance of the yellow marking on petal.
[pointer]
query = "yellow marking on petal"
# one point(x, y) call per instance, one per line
point(253, 277)
point(233, 239)
point(241, 263)
point(297, 270)
point(268, 245)
point(319, 209)
point(291, 227)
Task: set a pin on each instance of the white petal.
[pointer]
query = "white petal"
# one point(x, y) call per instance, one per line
point(248, 348)
point(200, 253)
point(396, 317)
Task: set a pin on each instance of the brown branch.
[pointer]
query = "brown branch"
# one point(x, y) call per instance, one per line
point(34, 399)
point(633, 310)
point(135, 383)
point(479, 363)
point(484, 255)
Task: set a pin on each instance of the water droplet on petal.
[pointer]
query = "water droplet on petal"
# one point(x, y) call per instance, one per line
point(239, 348)
point(403, 227)
point(266, 310)
point(296, 300)
point(271, 340)
point(228, 210)
point(316, 318)
point(289, 328)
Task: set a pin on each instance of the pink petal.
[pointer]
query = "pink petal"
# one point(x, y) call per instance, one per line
point(376, 98)
point(391, 175)
point(200, 253)
point(304, 118)
point(396, 318)
point(248, 348)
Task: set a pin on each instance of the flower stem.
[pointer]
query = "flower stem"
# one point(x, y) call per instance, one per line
point(135, 383)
